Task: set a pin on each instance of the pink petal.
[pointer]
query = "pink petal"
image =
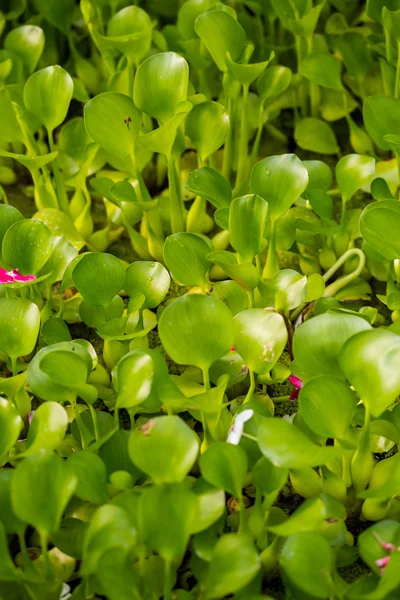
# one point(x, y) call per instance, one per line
point(233, 349)
point(294, 395)
point(5, 276)
point(21, 278)
point(296, 381)
point(382, 562)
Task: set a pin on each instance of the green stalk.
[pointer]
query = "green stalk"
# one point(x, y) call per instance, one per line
point(257, 139)
point(340, 283)
point(95, 422)
point(45, 553)
point(388, 45)
point(243, 143)
point(252, 387)
point(396, 86)
point(228, 148)
point(60, 189)
point(175, 197)
point(303, 96)
point(272, 264)
point(167, 580)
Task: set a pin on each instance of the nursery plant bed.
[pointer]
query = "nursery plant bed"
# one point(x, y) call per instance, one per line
point(199, 300)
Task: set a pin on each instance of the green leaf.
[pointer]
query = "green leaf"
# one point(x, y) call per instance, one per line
point(19, 326)
point(211, 185)
point(11, 103)
point(10, 425)
point(225, 467)
point(27, 42)
point(290, 288)
point(47, 95)
point(391, 22)
point(322, 69)
point(109, 528)
point(315, 135)
point(260, 338)
point(8, 216)
point(130, 31)
point(247, 221)
point(30, 162)
point(288, 447)
point(280, 180)
point(374, 375)
point(113, 121)
point(247, 73)
point(234, 564)
point(91, 473)
point(379, 225)
point(99, 277)
point(161, 84)
point(381, 117)
point(48, 428)
point(319, 341)
point(57, 12)
point(196, 330)
point(148, 278)
point(176, 504)
point(319, 175)
point(210, 505)
point(27, 245)
point(207, 126)
point(353, 172)
point(165, 448)
point(273, 82)
point(306, 560)
point(41, 488)
point(220, 33)
point(185, 256)
point(60, 224)
point(327, 406)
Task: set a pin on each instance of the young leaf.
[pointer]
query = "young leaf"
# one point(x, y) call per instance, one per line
point(47, 95)
point(207, 126)
point(185, 256)
point(19, 326)
point(225, 467)
point(99, 277)
point(353, 172)
point(247, 221)
point(220, 33)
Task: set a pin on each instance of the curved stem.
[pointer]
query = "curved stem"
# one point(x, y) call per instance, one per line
point(252, 387)
point(340, 283)
point(272, 265)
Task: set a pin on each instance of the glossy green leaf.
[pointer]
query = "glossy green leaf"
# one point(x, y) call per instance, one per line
point(220, 33)
point(112, 120)
point(247, 73)
point(327, 406)
point(374, 374)
point(48, 428)
point(323, 69)
point(319, 175)
point(286, 446)
point(27, 245)
point(129, 31)
point(19, 326)
point(306, 560)
point(280, 180)
point(10, 424)
point(27, 41)
point(210, 505)
point(225, 467)
point(319, 341)
point(8, 216)
point(176, 503)
point(379, 224)
point(161, 84)
point(47, 95)
point(211, 185)
point(274, 81)
point(315, 135)
point(290, 288)
point(91, 473)
point(234, 564)
point(260, 338)
point(247, 221)
point(60, 225)
point(185, 256)
point(207, 126)
point(41, 488)
point(99, 277)
point(353, 171)
point(196, 330)
point(381, 117)
point(165, 448)
point(57, 12)
point(148, 278)
point(11, 103)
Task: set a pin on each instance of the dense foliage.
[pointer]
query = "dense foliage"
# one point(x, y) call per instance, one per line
point(199, 328)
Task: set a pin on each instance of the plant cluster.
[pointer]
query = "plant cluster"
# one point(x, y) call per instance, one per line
point(199, 328)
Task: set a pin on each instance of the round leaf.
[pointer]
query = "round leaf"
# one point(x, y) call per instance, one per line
point(207, 126)
point(47, 95)
point(148, 278)
point(353, 172)
point(315, 135)
point(27, 245)
point(48, 428)
point(99, 277)
point(19, 326)
point(247, 220)
point(225, 467)
point(185, 256)
point(10, 425)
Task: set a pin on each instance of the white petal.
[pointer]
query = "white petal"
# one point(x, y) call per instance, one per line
point(244, 416)
point(235, 434)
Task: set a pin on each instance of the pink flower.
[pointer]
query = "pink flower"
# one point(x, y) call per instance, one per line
point(382, 563)
point(298, 384)
point(14, 276)
point(233, 349)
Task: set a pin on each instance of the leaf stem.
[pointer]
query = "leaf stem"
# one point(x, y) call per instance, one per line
point(243, 140)
point(272, 264)
point(252, 387)
point(175, 197)
point(60, 189)
point(340, 283)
